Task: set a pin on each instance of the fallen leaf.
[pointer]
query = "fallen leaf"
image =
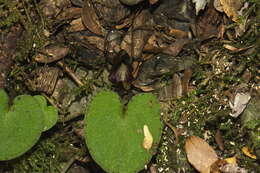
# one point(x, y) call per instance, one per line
point(236, 50)
point(76, 25)
point(231, 160)
point(51, 53)
point(200, 5)
point(177, 88)
point(137, 36)
point(239, 104)
point(178, 33)
point(148, 138)
point(232, 168)
point(153, 1)
point(175, 48)
point(143, 88)
point(186, 79)
point(248, 152)
point(231, 8)
point(90, 18)
point(200, 154)
point(208, 24)
point(219, 141)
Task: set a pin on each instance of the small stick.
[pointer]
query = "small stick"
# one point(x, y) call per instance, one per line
point(175, 131)
point(70, 73)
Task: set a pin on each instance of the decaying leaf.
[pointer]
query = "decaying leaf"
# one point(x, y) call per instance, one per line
point(185, 80)
point(175, 48)
point(239, 103)
point(231, 160)
point(248, 152)
point(219, 141)
point(90, 19)
point(176, 86)
point(231, 8)
point(51, 53)
point(153, 1)
point(76, 25)
point(178, 33)
point(148, 138)
point(232, 168)
point(131, 2)
point(208, 24)
point(200, 154)
point(137, 36)
point(234, 49)
point(200, 5)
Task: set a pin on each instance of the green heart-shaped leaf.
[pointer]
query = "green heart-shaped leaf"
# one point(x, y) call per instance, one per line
point(50, 113)
point(20, 126)
point(115, 136)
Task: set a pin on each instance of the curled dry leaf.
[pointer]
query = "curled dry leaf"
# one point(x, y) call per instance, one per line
point(51, 53)
point(186, 80)
point(148, 138)
point(232, 168)
point(90, 18)
point(239, 104)
point(248, 152)
point(219, 141)
point(137, 36)
point(70, 13)
point(131, 2)
point(153, 1)
point(231, 8)
point(76, 25)
point(178, 33)
point(200, 5)
point(200, 154)
point(175, 48)
point(176, 86)
point(236, 50)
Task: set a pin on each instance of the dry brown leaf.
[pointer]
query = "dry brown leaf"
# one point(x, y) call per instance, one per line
point(231, 8)
point(176, 86)
point(219, 141)
point(175, 48)
point(153, 1)
point(76, 25)
point(136, 67)
point(143, 88)
point(208, 24)
point(137, 36)
point(90, 19)
point(51, 53)
point(236, 50)
point(178, 33)
point(186, 80)
point(200, 154)
point(70, 13)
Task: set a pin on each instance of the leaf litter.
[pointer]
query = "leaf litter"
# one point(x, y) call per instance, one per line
point(193, 55)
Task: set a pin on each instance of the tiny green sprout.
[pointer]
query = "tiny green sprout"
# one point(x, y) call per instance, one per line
point(22, 123)
point(120, 139)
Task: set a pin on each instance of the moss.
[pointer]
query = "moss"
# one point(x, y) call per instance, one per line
point(50, 154)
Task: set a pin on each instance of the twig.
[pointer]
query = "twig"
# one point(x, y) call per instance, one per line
point(175, 131)
point(70, 73)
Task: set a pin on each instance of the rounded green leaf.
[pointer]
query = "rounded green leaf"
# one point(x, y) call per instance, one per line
point(50, 113)
point(115, 135)
point(20, 126)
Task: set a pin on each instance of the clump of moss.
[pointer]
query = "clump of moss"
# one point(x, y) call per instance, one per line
point(51, 154)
